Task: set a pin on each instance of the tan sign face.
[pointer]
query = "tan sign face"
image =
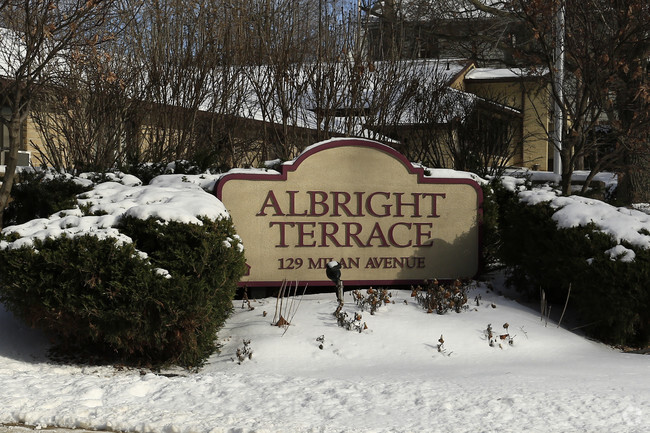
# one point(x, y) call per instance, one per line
point(359, 203)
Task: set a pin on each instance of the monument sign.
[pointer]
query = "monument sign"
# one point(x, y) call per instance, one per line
point(360, 203)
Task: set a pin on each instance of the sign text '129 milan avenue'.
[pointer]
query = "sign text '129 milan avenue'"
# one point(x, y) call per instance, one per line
point(360, 203)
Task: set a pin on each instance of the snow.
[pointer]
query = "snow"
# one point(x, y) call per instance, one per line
point(314, 146)
point(447, 173)
point(609, 179)
point(619, 252)
point(167, 198)
point(623, 224)
point(390, 377)
point(502, 73)
point(189, 181)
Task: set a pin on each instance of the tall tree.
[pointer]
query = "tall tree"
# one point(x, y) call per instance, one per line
point(178, 57)
point(84, 115)
point(605, 79)
point(606, 47)
point(35, 34)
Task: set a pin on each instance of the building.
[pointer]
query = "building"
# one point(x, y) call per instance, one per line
point(437, 112)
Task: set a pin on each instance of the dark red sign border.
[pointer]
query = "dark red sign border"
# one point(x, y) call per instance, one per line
point(358, 142)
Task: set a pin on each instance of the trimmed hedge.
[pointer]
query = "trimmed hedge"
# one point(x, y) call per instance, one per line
point(207, 259)
point(611, 296)
point(107, 303)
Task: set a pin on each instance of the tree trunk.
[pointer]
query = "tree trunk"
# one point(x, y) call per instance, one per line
point(567, 169)
point(634, 185)
point(11, 161)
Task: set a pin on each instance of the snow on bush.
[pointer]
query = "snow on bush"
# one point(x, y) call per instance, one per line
point(141, 275)
point(551, 242)
point(623, 224)
point(101, 209)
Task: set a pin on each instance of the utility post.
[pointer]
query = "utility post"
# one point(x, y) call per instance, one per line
point(558, 87)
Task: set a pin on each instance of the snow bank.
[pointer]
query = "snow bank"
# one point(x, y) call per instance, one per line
point(387, 379)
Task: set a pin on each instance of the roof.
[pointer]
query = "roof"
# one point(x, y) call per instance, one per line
point(504, 74)
point(417, 10)
point(425, 75)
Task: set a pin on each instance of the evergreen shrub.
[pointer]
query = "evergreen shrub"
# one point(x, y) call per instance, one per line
point(207, 258)
point(610, 296)
point(38, 195)
point(147, 171)
point(108, 303)
point(489, 229)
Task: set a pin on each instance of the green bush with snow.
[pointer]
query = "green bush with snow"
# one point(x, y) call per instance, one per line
point(148, 171)
point(548, 245)
point(39, 194)
point(143, 275)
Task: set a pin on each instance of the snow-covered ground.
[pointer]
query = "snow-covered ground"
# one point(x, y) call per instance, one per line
point(388, 378)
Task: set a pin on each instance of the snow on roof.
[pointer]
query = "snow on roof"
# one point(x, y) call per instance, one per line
point(12, 51)
point(451, 104)
point(416, 10)
point(260, 100)
point(477, 74)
